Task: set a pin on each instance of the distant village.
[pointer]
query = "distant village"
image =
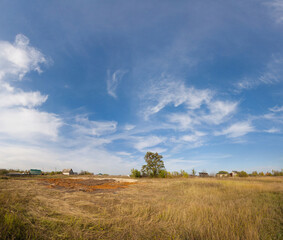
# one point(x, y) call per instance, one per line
point(32, 172)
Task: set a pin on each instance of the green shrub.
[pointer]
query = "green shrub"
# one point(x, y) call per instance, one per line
point(184, 174)
point(162, 174)
point(242, 174)
point(135, 173)
point(85, 173)
point(175, 174)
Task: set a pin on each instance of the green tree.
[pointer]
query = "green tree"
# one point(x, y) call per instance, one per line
point(254, 173)
point(242, 174)
point(193, 172)
point(154, 164)
point(163, 174)
point(223, 172)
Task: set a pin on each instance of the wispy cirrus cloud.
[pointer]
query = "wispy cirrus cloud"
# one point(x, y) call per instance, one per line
point(275, 114)
point(219, 111)
point(169, 91)
point(272, 130)
point(236, 130)
point(113, 80)
point(193, 137)
point(276, 109)
point(271, 75)
point(144, 144)
point(190, 107)
point(277, 9)
point(84, 126)
point(129, 127)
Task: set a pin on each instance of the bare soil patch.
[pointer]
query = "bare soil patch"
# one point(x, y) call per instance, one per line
point(86, 184)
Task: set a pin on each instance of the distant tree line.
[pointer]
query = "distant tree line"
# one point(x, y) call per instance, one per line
point(155, 167)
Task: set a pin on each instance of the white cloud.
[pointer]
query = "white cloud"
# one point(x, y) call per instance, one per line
point(237, 130)
point(124, 153)
point(85, 126)
point(145, 143)
point(19, 58)
point(129, 127)
point(271, 75)
point(184, 120)
point(272, 130)
point(23, 123)
point(53, 157)
point(219, 111)
point(155, 150)
point(12, 98)
point(276, 109)
point(188, 141)
point(275, 114)
point(170, 91)
point(113, 81)
point(277, 10)
point(193, 137)
point(26, 131)
point(19, 120)
point(199, 106)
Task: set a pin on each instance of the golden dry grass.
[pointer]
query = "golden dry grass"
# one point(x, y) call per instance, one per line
point(180, 208)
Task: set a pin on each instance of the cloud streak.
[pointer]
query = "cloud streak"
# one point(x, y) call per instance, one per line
point(271, 75)
point(236, 130)
point(113, 80)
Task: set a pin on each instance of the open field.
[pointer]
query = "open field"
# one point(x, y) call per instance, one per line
point(178, 208)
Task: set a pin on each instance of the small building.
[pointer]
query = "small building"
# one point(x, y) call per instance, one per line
point(234, 174)
point(203, 174)
point(35, 172)
point(221, 175)
point(68, 171)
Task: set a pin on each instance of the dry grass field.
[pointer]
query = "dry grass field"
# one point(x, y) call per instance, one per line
point(178, 208)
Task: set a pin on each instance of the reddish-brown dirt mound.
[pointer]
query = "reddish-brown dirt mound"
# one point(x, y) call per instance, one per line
point(87, 185)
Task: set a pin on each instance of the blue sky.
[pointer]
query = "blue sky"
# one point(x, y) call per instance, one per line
point(94, 85)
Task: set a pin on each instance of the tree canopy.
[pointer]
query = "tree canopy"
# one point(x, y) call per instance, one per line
point(154, 164)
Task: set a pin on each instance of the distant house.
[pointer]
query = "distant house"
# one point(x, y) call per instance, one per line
point(220, 175)
point(68, 171)
point(203, 174)
point(234, 174)
point(35, 172)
